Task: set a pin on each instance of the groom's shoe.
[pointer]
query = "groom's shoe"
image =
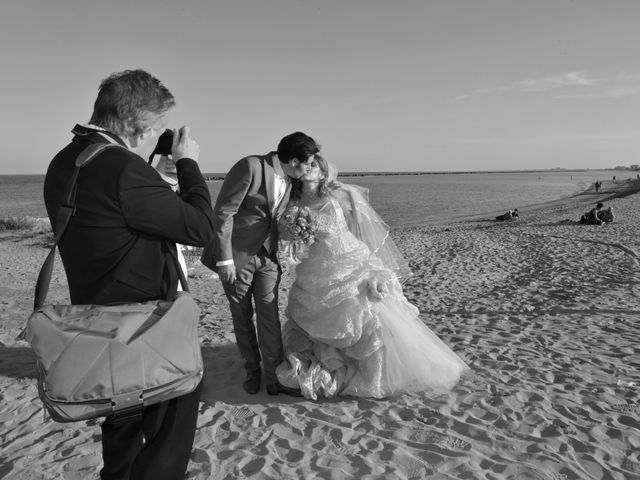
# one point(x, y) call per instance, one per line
point(277, 388)
point(252, 383)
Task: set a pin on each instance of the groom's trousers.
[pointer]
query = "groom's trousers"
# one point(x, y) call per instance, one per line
point(257, 281)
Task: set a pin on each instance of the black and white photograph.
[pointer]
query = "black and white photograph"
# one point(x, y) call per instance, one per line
point(320, 240)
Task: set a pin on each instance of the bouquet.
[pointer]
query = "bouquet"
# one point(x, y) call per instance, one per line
point(301, 225)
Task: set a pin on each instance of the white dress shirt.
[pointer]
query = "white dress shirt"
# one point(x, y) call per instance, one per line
point(280, 182)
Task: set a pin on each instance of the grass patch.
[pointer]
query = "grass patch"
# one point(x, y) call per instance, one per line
point(16, 224)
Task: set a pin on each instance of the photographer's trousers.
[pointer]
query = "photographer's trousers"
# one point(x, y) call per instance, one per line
point(155, 446)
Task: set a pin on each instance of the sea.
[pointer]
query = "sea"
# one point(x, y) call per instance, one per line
point(401, 199)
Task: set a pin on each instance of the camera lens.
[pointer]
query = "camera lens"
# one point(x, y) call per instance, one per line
point(165, 142)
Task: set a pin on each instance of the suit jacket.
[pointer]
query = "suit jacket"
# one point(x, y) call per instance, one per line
point(117, 245)
point(243, 221)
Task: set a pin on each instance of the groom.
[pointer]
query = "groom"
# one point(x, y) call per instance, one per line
point(254, 194)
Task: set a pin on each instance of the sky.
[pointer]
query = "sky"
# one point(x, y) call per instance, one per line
point(382, 85)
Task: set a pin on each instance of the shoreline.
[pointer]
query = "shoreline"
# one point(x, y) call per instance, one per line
point(426, 205)
point(611, 190)
point(356, 173)
point(544, 310)
point(585, 199)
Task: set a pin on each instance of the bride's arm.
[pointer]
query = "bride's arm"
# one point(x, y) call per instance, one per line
point(379, 279)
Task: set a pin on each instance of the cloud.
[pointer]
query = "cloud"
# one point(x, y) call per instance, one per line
point(577, 79)
point(571, 79)
point(620, 92)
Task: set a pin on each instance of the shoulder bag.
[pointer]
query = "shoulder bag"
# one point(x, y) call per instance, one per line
point(100, 360)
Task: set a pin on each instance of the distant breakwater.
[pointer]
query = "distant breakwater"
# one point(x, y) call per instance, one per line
point(221, 176)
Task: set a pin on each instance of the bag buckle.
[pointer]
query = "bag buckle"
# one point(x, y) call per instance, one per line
point(127, 407)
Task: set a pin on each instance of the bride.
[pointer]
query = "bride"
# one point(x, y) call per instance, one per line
point(349, 328)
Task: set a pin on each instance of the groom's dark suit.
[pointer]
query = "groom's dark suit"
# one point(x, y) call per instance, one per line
point(116, 249)
point(245, 234)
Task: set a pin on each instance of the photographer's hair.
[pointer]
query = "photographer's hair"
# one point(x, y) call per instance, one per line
point(297, 145)
point(325, 185)
point(129, 102)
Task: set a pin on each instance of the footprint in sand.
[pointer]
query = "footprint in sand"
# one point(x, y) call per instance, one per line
point(412, 468)
point(558, 427)
point(455, 443)
point(85, 466)
point(341, 447)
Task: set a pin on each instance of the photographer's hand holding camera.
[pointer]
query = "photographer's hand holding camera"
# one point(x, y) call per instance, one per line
point(174, 144)
point(184, 146)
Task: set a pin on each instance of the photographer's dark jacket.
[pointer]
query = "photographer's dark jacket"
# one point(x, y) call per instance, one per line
point(116, 247)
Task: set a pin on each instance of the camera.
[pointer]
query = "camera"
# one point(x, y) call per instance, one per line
point(165, 142)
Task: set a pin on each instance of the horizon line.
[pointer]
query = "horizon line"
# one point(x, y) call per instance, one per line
point(417, 172)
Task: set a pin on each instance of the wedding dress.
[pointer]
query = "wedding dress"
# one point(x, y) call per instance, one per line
point(342, 336)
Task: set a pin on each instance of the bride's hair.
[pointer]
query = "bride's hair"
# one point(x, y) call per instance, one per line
point(325, 185)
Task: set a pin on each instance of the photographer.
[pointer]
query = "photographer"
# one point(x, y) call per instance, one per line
point(120, 243)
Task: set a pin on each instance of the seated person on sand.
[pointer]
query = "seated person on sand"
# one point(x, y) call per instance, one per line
point(510, 215)
point(606, 215)
point(592, 217)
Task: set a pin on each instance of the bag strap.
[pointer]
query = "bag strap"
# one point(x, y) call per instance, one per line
point(181, 276)
point(65, 212)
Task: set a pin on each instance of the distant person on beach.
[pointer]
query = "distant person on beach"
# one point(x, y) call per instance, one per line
point(510, 215)
point(116, 247)
point(592, 217)
point(598, 186)
point(349, 329)
point(244, 250)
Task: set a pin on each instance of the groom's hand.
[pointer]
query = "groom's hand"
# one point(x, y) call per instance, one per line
point(227, 273)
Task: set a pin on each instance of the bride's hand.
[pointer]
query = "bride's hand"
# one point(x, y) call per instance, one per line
point(376, 288)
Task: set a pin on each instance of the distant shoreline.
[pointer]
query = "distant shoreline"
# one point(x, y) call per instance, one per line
point(211, 176)
point(220, 176)
point(27, 202)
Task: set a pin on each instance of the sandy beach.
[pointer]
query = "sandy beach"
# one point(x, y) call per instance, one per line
point(545, 311)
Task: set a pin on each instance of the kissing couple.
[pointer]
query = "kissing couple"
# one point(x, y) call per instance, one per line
point(348, 329)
